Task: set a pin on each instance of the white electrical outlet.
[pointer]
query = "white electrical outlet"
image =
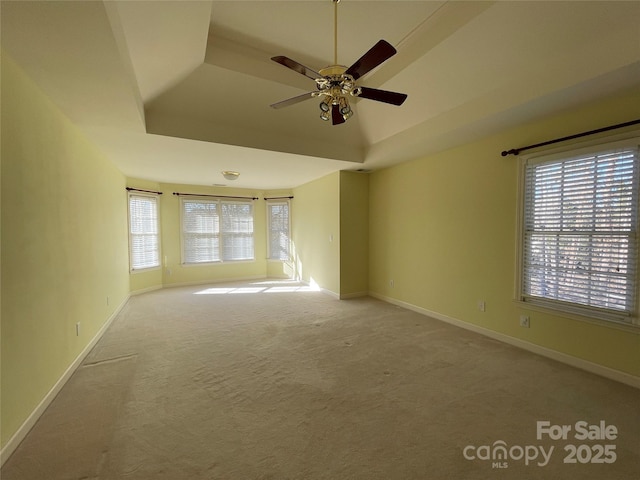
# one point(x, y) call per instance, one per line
point(524, 321)
point(482, 306)
point(78, 329)
point(107, 300)
point(392, 283)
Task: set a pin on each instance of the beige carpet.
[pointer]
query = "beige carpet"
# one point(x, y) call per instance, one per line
point(272, 381)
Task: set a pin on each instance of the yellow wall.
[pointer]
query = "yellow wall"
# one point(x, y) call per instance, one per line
point(316, 232)
point(354, 233)
point(279, 269)
point(64, 245)
point(443, 228)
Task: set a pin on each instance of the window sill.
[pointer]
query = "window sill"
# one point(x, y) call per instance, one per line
point(218, 262)
point(144, 270)
point(630, 327)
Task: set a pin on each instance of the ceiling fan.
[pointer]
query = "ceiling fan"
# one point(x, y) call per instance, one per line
point(336, 83)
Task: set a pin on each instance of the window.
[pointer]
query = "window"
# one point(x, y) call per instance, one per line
point(237, 231)
point(278, 230)
point(214, 231)
point(580, 232)
point(200, 231)
point(144, 239)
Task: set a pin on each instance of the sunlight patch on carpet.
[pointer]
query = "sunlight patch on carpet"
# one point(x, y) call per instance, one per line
point(249, 290)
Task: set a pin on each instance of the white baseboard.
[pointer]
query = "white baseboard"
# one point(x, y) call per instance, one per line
point(576, 362)
point(145, 290)
point(346, 296)
point(31, 420)
point(331, 293)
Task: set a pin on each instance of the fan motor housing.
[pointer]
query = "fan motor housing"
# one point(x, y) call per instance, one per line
point(335, 83)
point(332, 70)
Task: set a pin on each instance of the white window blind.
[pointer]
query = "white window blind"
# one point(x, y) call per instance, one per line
point(200, 231)
point(144, 240)
point(214, 231)
point(237, 231)
point(278, 226)
point(580, 232)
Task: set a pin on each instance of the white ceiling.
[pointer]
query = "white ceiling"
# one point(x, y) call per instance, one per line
point(177, 91)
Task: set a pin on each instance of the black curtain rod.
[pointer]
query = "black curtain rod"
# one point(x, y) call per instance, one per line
point(516, 151)
point(147, 191)
point(276, 198)
point(215, 196)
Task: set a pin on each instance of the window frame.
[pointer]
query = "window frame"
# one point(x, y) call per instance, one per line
point(155, 198)
point(597, 315)
point(219, 234)
point(270, 203)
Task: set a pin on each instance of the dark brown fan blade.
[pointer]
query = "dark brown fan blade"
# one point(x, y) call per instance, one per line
point(297, 67)
point(393, 98)
point(292, 100)
point(336, 116)
point(380, 52)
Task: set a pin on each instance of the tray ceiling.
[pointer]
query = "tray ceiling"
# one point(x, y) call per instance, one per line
point(177, 91)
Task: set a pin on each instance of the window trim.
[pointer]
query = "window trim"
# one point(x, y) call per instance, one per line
point(286, 202)
point(130, 194)
point(623, 320)
point(218, 202)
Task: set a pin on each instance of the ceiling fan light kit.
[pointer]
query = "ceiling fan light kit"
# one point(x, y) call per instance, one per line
point(336, 83)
